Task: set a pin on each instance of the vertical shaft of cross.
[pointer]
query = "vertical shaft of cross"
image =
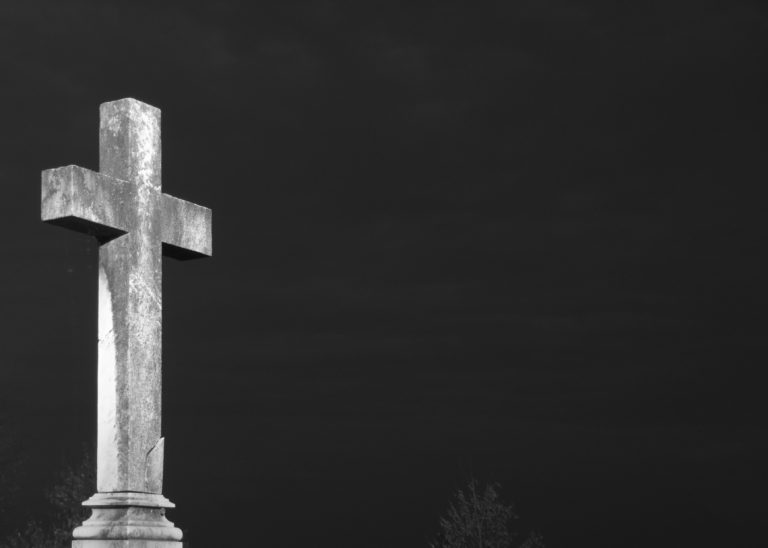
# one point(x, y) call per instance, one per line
point(130, 451)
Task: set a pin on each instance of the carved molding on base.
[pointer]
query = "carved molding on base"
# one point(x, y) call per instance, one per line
point(129, 498)
point(127, 520)
point(126, 544)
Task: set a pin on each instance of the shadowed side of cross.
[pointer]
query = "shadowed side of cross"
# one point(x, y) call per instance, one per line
point(135, 223)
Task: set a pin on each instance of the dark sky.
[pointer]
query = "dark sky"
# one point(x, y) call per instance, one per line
point(517, 240)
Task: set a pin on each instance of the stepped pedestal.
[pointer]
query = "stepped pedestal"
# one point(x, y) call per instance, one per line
point(127, 520)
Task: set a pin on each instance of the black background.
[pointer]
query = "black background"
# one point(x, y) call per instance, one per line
point(516, 240)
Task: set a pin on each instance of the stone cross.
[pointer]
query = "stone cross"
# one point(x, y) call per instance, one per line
point(135, 224)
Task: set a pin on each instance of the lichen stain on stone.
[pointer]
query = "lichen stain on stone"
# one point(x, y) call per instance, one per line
point(146, 138)
point(56, 201)
point(140, 288)
point(111, 122)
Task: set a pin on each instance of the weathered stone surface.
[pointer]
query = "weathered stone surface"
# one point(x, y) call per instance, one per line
point(86, 201)
point(186, 229)
point(135, 223)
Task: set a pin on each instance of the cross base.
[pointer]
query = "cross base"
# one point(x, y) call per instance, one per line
point(127, 520)
point(126, 544)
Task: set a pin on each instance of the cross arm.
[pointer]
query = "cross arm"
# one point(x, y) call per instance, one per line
point(186, 229)
point(85, 201)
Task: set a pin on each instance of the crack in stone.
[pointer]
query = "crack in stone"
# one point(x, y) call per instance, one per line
point(107, 334)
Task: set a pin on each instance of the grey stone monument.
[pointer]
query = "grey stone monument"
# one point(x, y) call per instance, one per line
point(124, 207)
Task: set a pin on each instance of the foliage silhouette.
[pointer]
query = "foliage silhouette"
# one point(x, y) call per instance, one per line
point(10, 463)
point(477, 518)
point(75, 485)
